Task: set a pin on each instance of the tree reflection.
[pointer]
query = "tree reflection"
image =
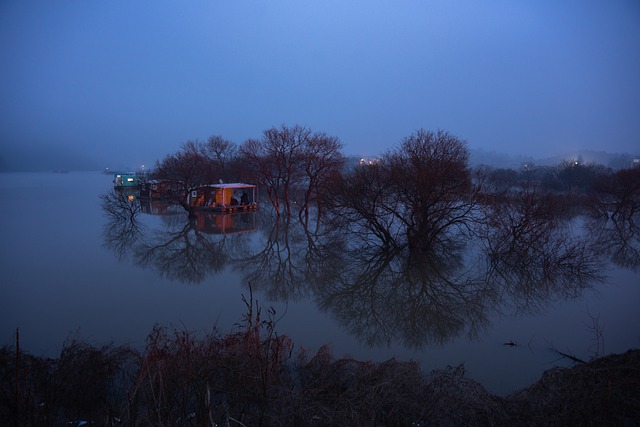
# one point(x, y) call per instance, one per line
point(615, 217)
point(184, 254)
point(418, 297)
point(531, 253)
point(618, 238)
point(385, 284)
point(523, 256)
point(286, 263)
point(122, 229)
point(182, 248)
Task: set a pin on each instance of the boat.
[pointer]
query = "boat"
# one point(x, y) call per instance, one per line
point(156, 189)
point(231, 197)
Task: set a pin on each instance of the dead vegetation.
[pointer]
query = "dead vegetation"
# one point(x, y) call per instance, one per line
point(254, 377)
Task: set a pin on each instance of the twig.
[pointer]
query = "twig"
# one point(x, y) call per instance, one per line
point(236, 421)
point(569, 356)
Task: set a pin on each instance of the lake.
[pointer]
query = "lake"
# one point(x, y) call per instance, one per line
point(60, 278)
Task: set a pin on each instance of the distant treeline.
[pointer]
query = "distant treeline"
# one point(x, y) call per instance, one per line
point(297, 168)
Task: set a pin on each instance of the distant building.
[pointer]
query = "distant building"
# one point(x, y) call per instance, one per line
point(369, 161)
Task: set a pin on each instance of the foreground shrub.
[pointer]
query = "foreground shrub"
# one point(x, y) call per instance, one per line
point(253, 378)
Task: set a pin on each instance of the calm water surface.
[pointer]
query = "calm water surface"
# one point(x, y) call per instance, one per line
point(59, 279)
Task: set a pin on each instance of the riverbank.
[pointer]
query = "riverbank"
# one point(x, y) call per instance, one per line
point(256, 377)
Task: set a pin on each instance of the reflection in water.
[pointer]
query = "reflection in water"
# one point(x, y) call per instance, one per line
point(523, 256)
point(225, 223)
point(288, 259)
point(185, 254)
point(160, 207)
point(182, 249)
point(615, 217)
point(384, 294)
point(532, 255)
point(619, 239)
point(122, 229)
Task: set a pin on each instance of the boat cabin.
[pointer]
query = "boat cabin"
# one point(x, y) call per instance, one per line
point(224, 197)
point(159, 190)
point(123, 180)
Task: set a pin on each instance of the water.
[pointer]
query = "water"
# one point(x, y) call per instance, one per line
point(59, 280)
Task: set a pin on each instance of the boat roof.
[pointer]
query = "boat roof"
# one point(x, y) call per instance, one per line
point(234, 185)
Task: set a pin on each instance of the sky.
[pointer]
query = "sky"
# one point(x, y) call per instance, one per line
point(127, 82)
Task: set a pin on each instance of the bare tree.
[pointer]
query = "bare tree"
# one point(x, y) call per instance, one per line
point(430, 177)
point(276, 157)
point(222, 153)
point(187, 169)
point(573, 176)
point(363, 203)
point(414, 194)
point(264, 169)
point(617, 195)
point(322, 159)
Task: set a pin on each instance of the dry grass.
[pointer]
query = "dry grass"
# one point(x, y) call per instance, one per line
point(605, 391)
point(253, 377)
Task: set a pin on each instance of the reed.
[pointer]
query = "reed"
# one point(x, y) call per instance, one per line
point(255, 377)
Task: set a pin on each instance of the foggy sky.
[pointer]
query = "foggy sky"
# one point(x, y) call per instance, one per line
point(126, 82)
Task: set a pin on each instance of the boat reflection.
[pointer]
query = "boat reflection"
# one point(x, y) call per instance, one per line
point(178, 248)
point(159, 207)
point(226, 223)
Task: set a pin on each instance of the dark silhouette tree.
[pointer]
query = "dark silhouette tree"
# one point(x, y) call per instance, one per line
point(292, 162)
point(615, 216)
point(188, 169)
point(618, 194)
point(223, 154)
point(262, 164)
point(322, 160)
point(430, 177)
point(413, 194)
point(573, 176)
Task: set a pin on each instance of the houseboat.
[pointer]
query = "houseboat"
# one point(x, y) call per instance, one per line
point(125, 180)
point(155, 189)
point(224, 197)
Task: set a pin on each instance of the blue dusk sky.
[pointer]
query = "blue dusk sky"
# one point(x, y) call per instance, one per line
point(127, 81)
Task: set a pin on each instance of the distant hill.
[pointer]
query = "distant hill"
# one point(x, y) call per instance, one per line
point(611, 160)
point(501, 160)
point(498, 160)
point(42, 157)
